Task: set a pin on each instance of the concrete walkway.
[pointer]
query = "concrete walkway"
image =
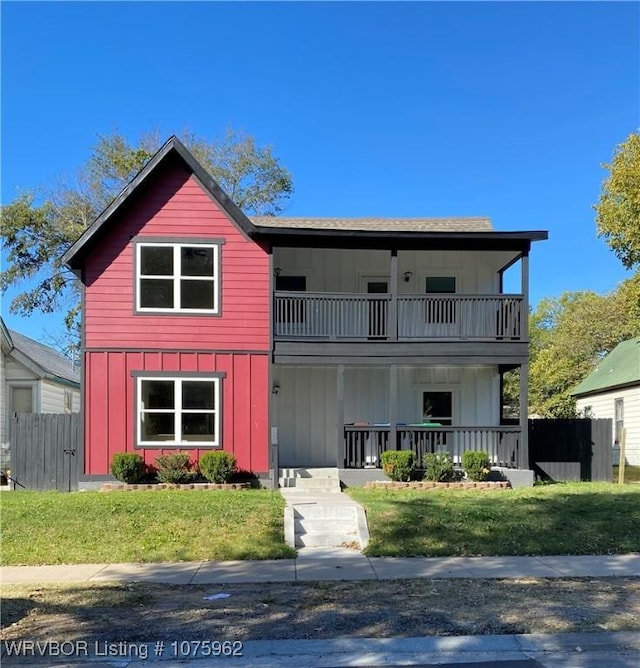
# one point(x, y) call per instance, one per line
point(329, 564)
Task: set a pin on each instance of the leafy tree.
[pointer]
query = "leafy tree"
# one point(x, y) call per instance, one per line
point(618, 211)
point(569, 335)
point(40, 225)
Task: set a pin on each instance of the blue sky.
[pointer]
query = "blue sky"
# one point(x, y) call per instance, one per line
point(382, 109)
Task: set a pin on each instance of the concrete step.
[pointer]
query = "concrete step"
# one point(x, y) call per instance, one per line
point(325, 513)
point(305, 472)
point(326, 540)
point(318, 526)
point(318, 484)
point(326, 472)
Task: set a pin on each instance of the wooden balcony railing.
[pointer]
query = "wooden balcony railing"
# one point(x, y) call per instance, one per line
point(366, 317)
point(364, 445)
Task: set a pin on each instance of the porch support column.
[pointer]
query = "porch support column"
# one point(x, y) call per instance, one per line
point(524, 334)
point(393, 406)
point(392, 322)
point(524, 368)
point(340, 417)
point(523, 458)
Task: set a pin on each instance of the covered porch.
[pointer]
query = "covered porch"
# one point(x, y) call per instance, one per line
point(346, 416)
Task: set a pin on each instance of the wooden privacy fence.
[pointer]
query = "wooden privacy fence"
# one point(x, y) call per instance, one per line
point(45, 451)
point(571, 449)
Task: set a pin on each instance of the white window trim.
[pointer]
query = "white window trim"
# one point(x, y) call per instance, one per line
point(35, 393)
point(445, 273)
point(68, 398)
point(177, 410)
point(455, 399)
point(176, 277)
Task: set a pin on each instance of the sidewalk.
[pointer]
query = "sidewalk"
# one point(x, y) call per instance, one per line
point(328, 564)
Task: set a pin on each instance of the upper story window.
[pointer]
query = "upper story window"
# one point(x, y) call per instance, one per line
point(177, 277)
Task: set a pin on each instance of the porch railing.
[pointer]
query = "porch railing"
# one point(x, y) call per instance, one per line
point(364, 445)
point(351, 316)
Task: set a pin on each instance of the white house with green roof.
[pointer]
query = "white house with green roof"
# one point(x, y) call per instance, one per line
point(613, 391)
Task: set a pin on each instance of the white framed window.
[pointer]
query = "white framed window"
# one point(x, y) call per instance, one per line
point(437, 407)
point(68, 401)
point(23, 398)
point(181, 277)
point(619, 419)
point(174, 410)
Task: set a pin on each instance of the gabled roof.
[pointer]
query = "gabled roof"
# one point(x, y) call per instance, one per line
point(173, 149)
point(620, 368)
point(378, 224)
point(5, 336)
point(441, 233)
point(43, 360)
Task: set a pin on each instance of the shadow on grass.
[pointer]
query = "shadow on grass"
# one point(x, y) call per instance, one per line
point(507, 523)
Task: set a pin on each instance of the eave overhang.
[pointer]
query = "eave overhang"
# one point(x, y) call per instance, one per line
point(293, 237)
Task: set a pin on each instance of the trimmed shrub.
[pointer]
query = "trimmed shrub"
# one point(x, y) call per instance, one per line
point(127, 467)
point(217, 466)
point(476, 465)
point(174, 468)
point(398, 464)
point(438, 467)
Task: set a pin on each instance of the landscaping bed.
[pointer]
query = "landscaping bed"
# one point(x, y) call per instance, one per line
point(427, 484)
point(156, 487)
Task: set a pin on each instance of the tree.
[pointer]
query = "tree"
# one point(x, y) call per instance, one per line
point(569, 335)
point(40, 225)
point(618, 211)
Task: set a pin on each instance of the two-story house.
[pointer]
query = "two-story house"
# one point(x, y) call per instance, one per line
point(293, 342)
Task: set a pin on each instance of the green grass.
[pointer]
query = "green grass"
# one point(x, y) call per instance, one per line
point(95, 527)
point(566, 518)
point(631, 473)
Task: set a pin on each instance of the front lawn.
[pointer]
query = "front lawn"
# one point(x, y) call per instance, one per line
point(95, 527)
point(566, 518)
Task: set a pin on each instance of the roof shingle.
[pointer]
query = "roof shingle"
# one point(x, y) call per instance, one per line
point(620, 367)
point(45, 357)
point(378, 224)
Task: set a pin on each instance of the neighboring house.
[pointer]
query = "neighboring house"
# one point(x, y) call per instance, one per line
point(34, 379)
point(613, 391)
point(333, 338)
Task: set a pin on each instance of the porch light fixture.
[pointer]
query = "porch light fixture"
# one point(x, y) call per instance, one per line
point(407, 276)
point(277, 271)
point(275, 389)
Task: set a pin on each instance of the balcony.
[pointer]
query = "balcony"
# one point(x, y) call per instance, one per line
point(363, 445)
point(383, 317)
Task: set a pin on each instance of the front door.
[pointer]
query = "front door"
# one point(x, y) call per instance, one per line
point(305, 410)
point(377, 309)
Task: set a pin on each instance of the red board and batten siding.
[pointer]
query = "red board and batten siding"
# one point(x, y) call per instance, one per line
point(110, 404)
point(119, 342)
point(177, 207)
